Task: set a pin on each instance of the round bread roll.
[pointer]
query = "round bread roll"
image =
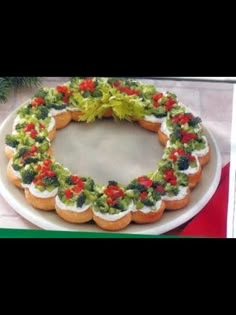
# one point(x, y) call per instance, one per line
point(117, 225)
point(153, 216)
point(75, 217)
point(163, 138)
point(9, 152)
point(52, 133)
point(45, 204)
point(193, 179)
point(62, 119)
point(150, 125)
point(203, 160)
point(12, 177)
point(177, 204)
point(108, 113)
point(75, 115)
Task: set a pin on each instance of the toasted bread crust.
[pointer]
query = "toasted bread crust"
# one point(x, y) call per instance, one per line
point(11, 176)
point(113, 225)
point(63, 119)
point(193, 179)
point(75, 217)
point(75, 115)
point(203, 160)
point(52, 133)
point(178, 204)
point(45, 204)
point(9, 152)
point(153, 216)
point(163, 138)
point(150, 125)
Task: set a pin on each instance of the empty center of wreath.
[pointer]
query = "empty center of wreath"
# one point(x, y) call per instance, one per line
point(107, 150)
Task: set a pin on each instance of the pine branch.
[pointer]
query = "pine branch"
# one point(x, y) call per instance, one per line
point(8, 83)
point(5, 87)
point(24, 81)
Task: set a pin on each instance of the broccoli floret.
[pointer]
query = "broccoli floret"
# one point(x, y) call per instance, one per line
point(30, 160)
point(120, 205)
point(97, 93)
point(39, 139)
point(148, 203)
point(43, 112)
point(19, 126)
point(25, 110)
point(194, 121)
point(50, 180)
point(176, 135)
point(28, 176)
point(86, 94)
point(56, 106)
point(16, 167)
point(80, 200)
point(11, 141)
point(136, 186)
point(69, 181)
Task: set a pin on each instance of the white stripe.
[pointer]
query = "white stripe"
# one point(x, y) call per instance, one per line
point(231, 217)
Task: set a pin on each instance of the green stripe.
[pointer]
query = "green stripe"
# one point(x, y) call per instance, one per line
point(13, 233)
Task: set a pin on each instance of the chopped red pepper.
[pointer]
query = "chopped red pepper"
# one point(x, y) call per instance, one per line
point(143, 195)
point(145, 181)
point(68, 193)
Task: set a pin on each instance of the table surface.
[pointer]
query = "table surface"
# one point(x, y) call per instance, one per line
point(212, 101)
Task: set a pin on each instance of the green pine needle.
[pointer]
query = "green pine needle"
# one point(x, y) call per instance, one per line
point(4, 89)
point(8, 83)
point(24, 81)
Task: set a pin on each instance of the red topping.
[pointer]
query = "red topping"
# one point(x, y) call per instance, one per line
point(87, 85)
point(157, 96)
point(169, 103)
point(160, 189)
point(29, 127)
point(75, 179)
point(114, 192)
point(169, 177)
point(111, 202)
point(127, 90)
point(47, 162)
point(33, 134)
point(143, 195)
point(33, 149)
point(50, 173)
point(77, 189)
point(78, 182)
point(186, 137)
point(182, 118)
point(68, 193)
point(65, 92)
point(37, 101)
point(145, 181)
point(62, 89)
point(116, 84)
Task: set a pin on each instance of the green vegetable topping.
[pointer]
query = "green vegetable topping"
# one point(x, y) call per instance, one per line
point(11, 141)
